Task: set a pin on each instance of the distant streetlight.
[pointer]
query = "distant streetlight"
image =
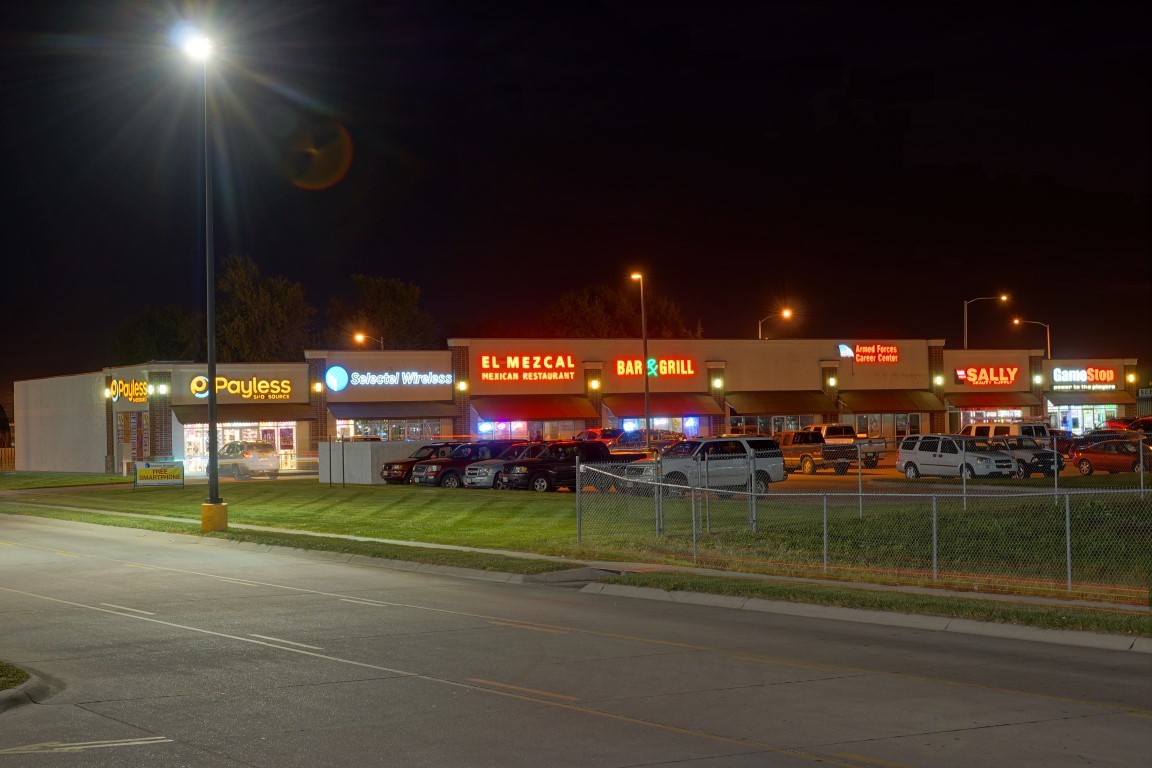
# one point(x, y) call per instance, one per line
point(361, 337)
point(1047, 334)
point(644, 361)
point(1001, 297)
point(784, 314)
point(199, 48)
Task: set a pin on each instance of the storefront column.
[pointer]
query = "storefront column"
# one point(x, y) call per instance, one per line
point(109, 432)
point(160, 414)
point(594, 390)
point(830, 385)
point(717, 387)
point(462, 421)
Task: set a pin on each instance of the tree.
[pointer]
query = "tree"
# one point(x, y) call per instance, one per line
point(260, 319)
point(386, 308)
point(602, 312)
point(159, 333)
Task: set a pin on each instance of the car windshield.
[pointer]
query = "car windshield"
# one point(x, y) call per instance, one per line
point(514, 452)
point(608, 434)
point(981, 446)
point(424, 452)
point(262, 448)
point(463, 451)
point(683, 448)
point(1025, 443)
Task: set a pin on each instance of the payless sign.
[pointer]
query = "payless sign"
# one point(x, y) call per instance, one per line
point(256, 383)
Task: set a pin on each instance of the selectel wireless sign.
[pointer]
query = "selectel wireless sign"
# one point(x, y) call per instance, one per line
point(255, 383)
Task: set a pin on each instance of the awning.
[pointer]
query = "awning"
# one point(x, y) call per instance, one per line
point(244, 413)
point(765, 403)
point(1115, 397)
point(663, 404)
point(535, 407)
point(417, 409)
point(991, 399)
point(890, 401)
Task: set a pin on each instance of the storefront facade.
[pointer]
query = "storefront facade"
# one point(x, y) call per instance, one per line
point(1081, 394)
point(992, 385)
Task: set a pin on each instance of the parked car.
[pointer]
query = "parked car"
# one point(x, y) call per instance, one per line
point(952, 456)
point(490, 473)
point(555, 466)
point(867, 449)
point(1100, 435)
point(1061, 439)
point(1112, 456)
point(601, 434)
point(1125, 423)
point(806, 452)
point(1037, 429)
point(448, 471)
point(243, 459)
point(1141, 424)
point(717, 463)
point(1031, 455)
point(400, 470)
point(634, 439)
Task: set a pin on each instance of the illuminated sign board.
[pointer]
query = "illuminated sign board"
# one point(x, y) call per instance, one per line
point(527, 368)
point(657, 366)
point(134, 391)
point(1003, 376)
point(253, 388)
point(338, 378)
point(1081, 379)
point(874, 353)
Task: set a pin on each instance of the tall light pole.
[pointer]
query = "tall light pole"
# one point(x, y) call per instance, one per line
point(213, 511)
point(1047, 334)
point(1001, 297)
point(785, 313)
point(362, 337)
point(644, 361)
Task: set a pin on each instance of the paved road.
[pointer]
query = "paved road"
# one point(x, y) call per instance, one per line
point(166, 652)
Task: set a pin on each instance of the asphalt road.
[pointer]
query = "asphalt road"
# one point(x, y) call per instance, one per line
point(164, 652)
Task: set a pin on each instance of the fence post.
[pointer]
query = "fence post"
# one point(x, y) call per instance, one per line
point(752, 491)
point(825, 534)
point(934, 539)
point(1068, 539)
point(579, 494)
point(860, 479)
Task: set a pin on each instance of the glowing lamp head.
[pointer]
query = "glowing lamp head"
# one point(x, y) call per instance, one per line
point(637, 276)
point(786, 313)
point(1003, 297)
point(1015, 321)
point(359, 338)
point(198, 47)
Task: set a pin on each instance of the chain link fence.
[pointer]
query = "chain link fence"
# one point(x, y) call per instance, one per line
point(1082, 544)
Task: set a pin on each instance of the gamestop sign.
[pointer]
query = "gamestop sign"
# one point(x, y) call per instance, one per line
point(256, 383)
point(1088, 378)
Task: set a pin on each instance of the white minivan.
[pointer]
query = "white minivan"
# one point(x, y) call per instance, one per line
point(1037, 429)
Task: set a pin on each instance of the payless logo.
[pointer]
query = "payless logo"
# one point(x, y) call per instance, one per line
point(254, 388)
point(133, 391)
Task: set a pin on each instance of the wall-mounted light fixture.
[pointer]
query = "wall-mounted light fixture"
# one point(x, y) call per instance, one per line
point(831, 381)
point(938, 380)
point(718, 383)
point(462, 386)
point(1037, 379)
point(1131, 378)
point(594, 384)
point(317, 387)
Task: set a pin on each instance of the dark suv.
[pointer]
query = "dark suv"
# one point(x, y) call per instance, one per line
point(400, 470)
point(448, 471)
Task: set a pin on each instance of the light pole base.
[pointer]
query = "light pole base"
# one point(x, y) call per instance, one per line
point(213, 517)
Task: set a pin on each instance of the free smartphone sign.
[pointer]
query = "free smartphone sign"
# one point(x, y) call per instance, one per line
point(156, 473)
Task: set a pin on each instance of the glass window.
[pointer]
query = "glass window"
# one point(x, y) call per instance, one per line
point(948, 446)
point(930, 444)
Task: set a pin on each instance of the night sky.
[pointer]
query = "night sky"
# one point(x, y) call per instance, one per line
point(870, 165)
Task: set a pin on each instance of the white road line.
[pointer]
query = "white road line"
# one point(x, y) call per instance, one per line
point(134, 610)
point(281, 640)
point(80, 746)
point(364, 602)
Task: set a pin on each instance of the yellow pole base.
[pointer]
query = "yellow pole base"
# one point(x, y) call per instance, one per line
point(213, 517)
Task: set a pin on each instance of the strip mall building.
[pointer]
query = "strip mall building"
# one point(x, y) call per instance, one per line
point(102, 421)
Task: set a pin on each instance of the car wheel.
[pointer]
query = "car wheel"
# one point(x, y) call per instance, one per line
point(498, 481)
point(760, 483)
point(273, 475)
point(842, 468)
point(237, 472)
point(450, 480)
point(1023, 472)
point(1084, 466)
point(807, 466)
point(679, 481)
point(540, 484)
point(967, 472)
point(911, 472)
point(871, 463)
point(1135, 466)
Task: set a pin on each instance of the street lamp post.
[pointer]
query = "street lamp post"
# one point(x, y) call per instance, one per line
point(1047, 334)
point(644, 361)
point(785, 313)
point(214, 512)
point(1001, 297)
point(362, 337)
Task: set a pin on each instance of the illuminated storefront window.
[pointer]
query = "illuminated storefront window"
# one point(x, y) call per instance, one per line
point(281, 434)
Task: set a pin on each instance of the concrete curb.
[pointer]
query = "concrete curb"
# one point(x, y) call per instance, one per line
point(911, 621)
point(31, 691)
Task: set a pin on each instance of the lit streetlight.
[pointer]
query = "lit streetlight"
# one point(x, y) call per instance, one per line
point(362, 337)
point(784, 314)
point(1001, 297)
point(213, 512)
point(1047, 333)
point(644, 361)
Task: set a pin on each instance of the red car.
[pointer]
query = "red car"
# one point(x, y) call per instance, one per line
point(1112, 456)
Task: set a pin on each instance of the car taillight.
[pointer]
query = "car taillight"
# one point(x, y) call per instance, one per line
point(245, 455)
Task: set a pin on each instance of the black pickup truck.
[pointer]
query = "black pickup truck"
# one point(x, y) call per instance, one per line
point(807, 452)
point(556, 466)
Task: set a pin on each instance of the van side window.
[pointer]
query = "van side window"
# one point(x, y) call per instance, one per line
point(1001, 429)
point(948, 446)
point(980, 432)
point(930, 444)
point(909, 444)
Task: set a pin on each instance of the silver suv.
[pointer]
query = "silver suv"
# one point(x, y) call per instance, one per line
point(732, 463)
point(952, 456)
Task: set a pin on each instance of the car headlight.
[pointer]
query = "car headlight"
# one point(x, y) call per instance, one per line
point(483, 471)
point(982, 460)
point(519, 470)
point(431, 470)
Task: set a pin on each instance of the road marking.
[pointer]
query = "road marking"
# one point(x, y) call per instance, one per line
point(241, 581)
point(280, 640)
point(871, 760)
point(523, 690)
point(134, 610)
point(80, 746)
point(533, 627)
point(363, 602)
point(138, 565)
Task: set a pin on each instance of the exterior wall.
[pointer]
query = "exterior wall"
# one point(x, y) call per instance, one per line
point(62, 424)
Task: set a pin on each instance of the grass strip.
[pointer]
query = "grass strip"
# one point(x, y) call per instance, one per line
point(1110, 621)
point(11, 676)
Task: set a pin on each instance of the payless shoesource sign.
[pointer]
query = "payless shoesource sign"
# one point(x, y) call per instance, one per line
point(236, 383)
